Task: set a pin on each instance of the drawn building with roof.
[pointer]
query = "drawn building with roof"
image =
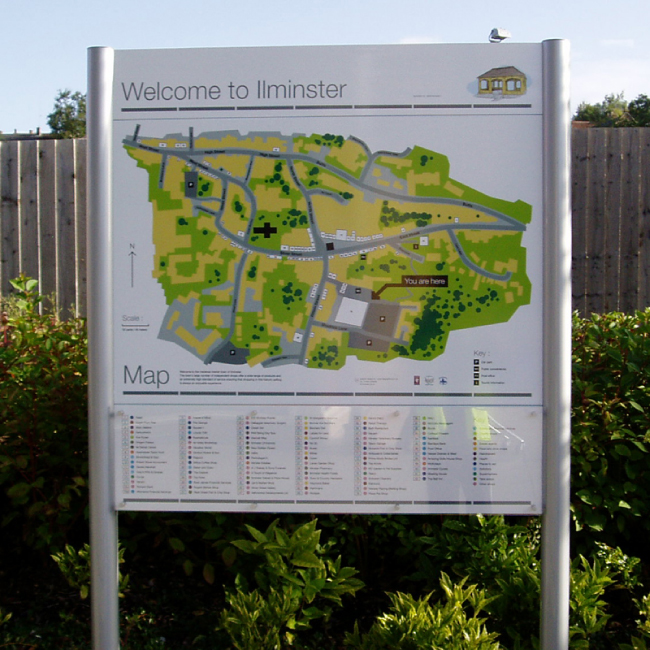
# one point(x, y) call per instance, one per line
point(505, 81)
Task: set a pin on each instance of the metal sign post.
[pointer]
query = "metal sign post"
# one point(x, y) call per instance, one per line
point(557, 348)
point(103, 515)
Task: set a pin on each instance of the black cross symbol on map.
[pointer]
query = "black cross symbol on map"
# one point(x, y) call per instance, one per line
point(267, 230)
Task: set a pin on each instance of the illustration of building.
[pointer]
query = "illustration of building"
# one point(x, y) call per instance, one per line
point(506, 80)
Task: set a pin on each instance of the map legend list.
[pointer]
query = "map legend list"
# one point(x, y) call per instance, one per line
point(383, 451)
point(263, 469)
point(320, 470)
point(146, 457)
point(340, 459)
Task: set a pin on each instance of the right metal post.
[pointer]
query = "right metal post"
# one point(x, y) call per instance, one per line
point(556, 517)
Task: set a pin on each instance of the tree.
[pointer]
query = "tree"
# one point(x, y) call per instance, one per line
point(68, 119)
point(639, 110)
point(612, 111)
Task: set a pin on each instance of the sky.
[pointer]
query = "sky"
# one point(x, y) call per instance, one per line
point(43, 48)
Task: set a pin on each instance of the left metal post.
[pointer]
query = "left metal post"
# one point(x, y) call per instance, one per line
point(103, 517)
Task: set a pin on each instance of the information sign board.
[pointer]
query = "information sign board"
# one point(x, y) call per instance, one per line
point(328, 279)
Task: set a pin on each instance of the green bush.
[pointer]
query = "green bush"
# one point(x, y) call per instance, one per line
point(611, 429)
point(419, 624)
point(43, 441)
point(296, 583)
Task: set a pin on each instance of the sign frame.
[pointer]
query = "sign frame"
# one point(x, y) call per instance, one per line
point(556, 349)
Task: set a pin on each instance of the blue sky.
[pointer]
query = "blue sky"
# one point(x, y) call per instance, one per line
point(43, 45)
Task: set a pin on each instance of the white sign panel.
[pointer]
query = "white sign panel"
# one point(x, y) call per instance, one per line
point(328, 279)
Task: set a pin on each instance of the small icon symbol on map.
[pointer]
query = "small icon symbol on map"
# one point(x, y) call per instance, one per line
point(443, 381)
point(416, 380)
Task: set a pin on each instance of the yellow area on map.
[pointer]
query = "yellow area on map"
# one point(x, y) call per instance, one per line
point(394, 161)
point(175, 180)
point(213, 319)
point(147, 157)
point(357, 211)
point(257, 142)
point(221, 296)
point(297, 237)
point(454, 189)
point(172, 320)
point(517, 287)
point(202, 260)
point(166, 143)
point(405, 325)
point(272, 199)
point(305, 145)
point(481, 236)
point(416, 181)
point(352, 156)
point(511, 265)
point(200, 345)
point(255, 359)
point(236, 164)
point(165, 238)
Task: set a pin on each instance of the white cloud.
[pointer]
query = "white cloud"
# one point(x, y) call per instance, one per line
point(418, 40)
point(618, 42)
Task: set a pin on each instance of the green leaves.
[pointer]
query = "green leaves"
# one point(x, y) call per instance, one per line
point(415, 624)
point(611, 399)
point(68, 117)
point(294, 576)
point(43, 439)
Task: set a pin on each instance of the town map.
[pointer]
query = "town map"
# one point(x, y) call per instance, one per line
point(275, 249)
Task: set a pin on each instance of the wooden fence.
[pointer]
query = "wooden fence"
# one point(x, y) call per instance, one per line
point(43, 218)
point(611, 219)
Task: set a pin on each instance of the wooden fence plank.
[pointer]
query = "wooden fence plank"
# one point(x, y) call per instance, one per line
point(10, 195)
point(644, 240)
point(630, 220)
point(595, 242)
point(66, 252)
point(47, 209)
point(28, 208)
point(612, 222)
point(81, 219)
point(579, 207)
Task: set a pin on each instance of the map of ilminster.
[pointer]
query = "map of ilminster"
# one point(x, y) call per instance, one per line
point(278, 249)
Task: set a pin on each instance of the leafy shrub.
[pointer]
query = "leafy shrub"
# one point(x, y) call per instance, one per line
point(611, 426)
point(75, 566)
point(43, 442)
point(501, 558)
point(296, 584)
point(415, 624)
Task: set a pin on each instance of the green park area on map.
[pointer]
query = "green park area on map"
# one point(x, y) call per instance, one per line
point(306, 249)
